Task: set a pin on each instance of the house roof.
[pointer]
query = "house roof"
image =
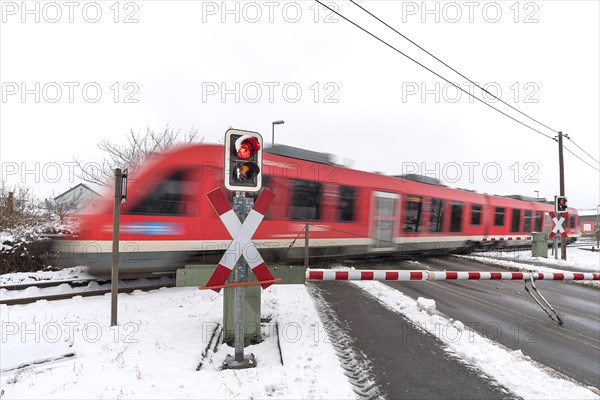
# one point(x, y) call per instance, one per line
point(587, 212)
point(82, 185)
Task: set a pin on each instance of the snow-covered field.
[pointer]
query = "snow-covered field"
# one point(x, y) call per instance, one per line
point(157, 346)
point(66, 349)
point(577, 260)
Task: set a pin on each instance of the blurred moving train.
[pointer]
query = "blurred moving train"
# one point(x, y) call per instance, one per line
point(167, 220)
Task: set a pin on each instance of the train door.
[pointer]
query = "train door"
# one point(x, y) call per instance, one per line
point(383, 219)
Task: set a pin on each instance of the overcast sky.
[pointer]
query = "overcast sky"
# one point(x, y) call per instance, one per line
point(211, 65)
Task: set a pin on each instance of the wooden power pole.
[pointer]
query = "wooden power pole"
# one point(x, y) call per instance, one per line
point(115, 247)
point(561, 166)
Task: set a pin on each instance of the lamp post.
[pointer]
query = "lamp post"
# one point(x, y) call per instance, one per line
point(273, 130)
point(537, 194)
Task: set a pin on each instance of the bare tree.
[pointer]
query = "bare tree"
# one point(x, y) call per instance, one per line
point(17, 205)
point(132, 154)
point(62, 206)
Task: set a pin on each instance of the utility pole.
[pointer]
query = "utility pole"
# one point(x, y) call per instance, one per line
point(114, 283)
point(561, 166)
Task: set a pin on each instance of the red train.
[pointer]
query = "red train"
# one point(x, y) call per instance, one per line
point(167, 220)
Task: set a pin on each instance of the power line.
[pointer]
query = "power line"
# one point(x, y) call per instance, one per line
point(430, 70)
point(583, 150)
point(448, 66)
point(452, 83)
point(581, 159)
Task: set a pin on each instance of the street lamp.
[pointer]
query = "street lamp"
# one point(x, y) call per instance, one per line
point(537, 194)
point(273, 131)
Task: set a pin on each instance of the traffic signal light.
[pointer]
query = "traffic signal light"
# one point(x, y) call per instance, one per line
point(560, 204)
point(243, 160)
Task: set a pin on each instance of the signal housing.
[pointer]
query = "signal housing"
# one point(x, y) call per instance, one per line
point(243, 160)
point(560, 204)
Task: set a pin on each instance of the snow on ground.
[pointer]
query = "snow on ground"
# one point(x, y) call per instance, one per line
point(63, 274)
point(33, 291)
point(577, 259)
point(511, 369)
point(157, 346)
point(66, 349)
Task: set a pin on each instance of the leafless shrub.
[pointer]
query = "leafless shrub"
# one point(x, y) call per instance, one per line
point(133, 153)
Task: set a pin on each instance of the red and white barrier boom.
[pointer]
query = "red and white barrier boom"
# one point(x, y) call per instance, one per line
point(401, 275)
point(528, 277)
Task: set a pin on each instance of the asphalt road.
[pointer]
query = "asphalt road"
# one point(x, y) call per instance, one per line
point(504, 312)
point(403, 365)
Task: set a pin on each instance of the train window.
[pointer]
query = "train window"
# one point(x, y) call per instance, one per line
point(386, 206)
point(279, 210)
point(527, 221)
point(476, 214)
point(437, 215)
point(456, 217)
point(165, 199)
point(346, 203)
point(413, 214)
point(515, 221)
point(548, 223)
point(538, 221)
point(572, 221)
point(499, 216)
point(266, 181)
point(305, 200)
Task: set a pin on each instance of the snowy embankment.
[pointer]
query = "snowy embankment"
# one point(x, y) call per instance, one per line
point(510, 368)
point(39, 276)
point(78, 285)
point(159, 343)
point(577, 259)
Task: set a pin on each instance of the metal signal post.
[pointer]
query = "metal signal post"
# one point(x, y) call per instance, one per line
point(243, 164)
point(242, 206)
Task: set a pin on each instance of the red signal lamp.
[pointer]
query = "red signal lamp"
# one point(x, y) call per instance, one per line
point(246, 146)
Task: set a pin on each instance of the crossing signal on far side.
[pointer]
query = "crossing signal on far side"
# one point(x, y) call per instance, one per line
point(560, 204)
point(243, 160)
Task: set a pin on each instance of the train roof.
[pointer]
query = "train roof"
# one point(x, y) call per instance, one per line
point(301, 154)
point(420, 184)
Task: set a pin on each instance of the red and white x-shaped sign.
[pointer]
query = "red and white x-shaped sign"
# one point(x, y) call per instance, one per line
point(241, 245)
point(558, 224)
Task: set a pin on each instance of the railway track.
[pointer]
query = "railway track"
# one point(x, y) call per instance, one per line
point(70, 294)
point(46, 284)
point(583, 244)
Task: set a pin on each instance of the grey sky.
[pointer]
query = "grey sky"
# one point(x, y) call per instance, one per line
point(359, 99)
